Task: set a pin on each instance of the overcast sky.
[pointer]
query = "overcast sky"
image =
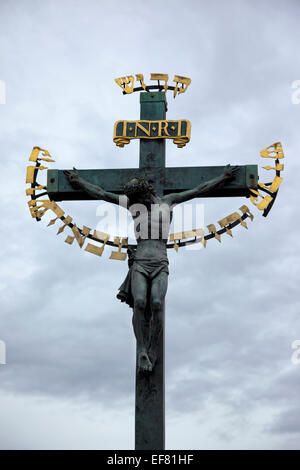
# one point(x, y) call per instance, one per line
point(232, 310)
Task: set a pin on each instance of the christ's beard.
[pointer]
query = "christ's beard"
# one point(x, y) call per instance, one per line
point(141, 198)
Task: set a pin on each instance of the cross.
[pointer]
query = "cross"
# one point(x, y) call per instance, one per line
point(150, 388)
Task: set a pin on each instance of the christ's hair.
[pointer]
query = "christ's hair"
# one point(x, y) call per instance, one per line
point(138, 185)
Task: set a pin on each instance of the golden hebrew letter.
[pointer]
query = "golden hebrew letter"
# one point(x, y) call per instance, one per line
point(200, 232)
point(160, 76)
point(101, 236)
point(80, 237)
point(174, 237)
point(140, 78)
point(69, 239)
point(66, 222)
point(95, 250)
point(34, 213)
point(31, 191)
point(229, 219)
point(126, 83)
point(234, 217)
point(273, 151)
point(266, 200)
point(98, 250)
point(263, 204)
point(53, 206)
point(237, 216)
point(183, 81)
point(117, 254)
point(34, 156)
point(32, 207)
point(212, 229)
point(187, 234)
point(56, 209)
point(30, 173)
point(32, 202)
point(37, 211)
point(274, 186)
point(278, 167)
point(223, 222)
point(41, 212)
point(245, 210)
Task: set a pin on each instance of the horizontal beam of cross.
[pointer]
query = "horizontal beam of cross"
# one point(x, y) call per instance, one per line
point(173, 179)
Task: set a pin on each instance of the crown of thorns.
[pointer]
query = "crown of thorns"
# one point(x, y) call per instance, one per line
point(140, 185)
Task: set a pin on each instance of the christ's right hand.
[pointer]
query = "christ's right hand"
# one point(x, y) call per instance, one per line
point(73, 178)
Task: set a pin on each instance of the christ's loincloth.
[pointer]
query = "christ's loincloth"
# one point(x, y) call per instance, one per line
point(150, 268)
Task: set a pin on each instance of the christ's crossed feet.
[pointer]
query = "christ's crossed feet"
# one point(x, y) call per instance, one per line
point(144, 362)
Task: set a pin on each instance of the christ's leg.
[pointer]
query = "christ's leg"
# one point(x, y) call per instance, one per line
point(141, 319)
point(158, 292)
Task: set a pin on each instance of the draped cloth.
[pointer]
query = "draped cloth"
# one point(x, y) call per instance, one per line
point(150, 268)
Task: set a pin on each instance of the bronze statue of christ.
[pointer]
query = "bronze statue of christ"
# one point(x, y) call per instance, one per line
point(145, 286)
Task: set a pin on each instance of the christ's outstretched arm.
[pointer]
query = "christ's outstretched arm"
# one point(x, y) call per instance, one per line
point(176, 198)
point(95, 191)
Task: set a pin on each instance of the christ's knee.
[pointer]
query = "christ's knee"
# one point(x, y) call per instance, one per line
point(140, 304)
point(157, 307)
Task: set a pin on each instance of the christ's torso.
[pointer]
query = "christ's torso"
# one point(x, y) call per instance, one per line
point(151, 228)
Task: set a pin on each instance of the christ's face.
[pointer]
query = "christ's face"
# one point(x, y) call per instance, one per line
point(133, 185)
point(137, 191)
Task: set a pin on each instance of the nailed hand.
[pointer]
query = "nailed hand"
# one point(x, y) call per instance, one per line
point(73, 177)
point(231, 172)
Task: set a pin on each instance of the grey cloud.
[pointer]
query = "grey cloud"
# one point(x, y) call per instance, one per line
point(287, 423)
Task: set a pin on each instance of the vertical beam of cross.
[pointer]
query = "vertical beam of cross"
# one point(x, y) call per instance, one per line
point(150, 388)
point(153, 151)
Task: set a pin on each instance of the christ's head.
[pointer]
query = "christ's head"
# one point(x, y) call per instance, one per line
point(139, 190)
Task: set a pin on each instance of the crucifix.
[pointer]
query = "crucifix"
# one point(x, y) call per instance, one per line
point(153, 187)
